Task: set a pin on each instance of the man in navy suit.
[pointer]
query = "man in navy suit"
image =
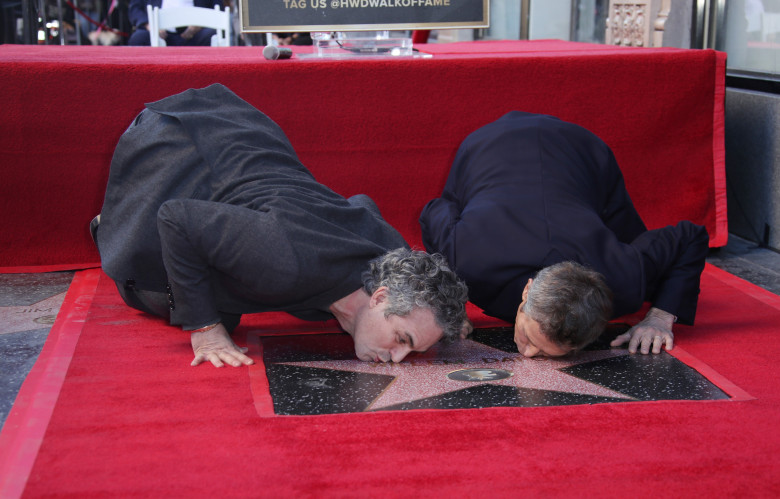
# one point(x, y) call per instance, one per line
point(190, 35)
point(532, 194)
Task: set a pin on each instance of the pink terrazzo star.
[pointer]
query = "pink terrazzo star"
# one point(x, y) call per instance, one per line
point(29, 317)
point(425, 375)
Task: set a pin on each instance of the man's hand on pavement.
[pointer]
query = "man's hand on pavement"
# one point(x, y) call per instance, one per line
point(216, 346)
point(652, 333)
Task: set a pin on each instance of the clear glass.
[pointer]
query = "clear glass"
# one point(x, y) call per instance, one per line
point(747, 30)
point(362, 44)
point(549, 19)
point(504, 21)
point(576, 20)
point(751, 36)
point(590, 21)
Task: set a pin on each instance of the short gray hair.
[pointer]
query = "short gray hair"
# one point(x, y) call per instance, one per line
point(416, 279)
point(572, 304)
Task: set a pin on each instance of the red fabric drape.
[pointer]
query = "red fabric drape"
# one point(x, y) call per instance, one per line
point(385, 127)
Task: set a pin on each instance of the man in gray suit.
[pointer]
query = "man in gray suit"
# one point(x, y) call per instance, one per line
point(209, 214)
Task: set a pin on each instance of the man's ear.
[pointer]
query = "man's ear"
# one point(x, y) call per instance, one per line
point(525, 289)
point(378, 297)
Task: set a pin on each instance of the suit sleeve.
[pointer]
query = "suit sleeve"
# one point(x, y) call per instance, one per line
point(202, 238)
point(673, 258)
point(283, 255)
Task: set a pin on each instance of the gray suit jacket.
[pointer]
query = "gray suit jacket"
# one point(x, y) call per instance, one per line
point(207, 195)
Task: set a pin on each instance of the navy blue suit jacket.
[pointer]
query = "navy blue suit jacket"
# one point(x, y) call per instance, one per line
point(528, 191)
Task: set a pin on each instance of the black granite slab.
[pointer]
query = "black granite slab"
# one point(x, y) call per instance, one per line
point(319, 374)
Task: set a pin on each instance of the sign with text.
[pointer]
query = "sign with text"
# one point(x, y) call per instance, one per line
point(280, 16)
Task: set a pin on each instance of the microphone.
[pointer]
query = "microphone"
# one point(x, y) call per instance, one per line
point(271, 52)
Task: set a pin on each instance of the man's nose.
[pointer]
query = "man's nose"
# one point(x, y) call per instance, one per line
point(530, 351)
point(399, 353)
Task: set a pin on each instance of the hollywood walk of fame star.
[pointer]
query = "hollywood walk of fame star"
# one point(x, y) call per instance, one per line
point(424, 376)
point(318, 374)
point(33, 316)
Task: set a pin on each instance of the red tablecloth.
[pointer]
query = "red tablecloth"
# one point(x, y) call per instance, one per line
point(388, 127)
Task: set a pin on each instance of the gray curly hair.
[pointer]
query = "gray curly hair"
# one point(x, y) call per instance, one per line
point(416, 279)
point(572, 304)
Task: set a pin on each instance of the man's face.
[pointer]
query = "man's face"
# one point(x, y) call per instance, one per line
point(530, 340)
point(385, 339)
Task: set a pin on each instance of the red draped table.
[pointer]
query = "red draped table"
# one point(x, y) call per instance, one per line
point(387, 127)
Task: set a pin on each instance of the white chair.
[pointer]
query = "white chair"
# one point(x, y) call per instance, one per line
point(176, 17)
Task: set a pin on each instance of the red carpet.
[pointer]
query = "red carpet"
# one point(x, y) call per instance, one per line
point(112, 409)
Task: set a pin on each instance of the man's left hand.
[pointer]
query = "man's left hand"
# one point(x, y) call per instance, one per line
point(654, 332)
point(216, 346)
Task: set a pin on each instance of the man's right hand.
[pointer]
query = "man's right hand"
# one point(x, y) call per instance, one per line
point(216, 346)
point(654, 332)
